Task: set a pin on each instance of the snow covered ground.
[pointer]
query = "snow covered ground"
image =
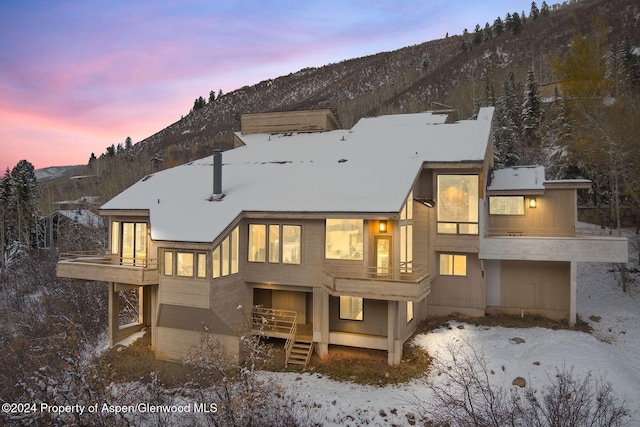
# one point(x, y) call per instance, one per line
point(611, 352)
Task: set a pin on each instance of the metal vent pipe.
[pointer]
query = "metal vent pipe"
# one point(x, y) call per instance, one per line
point(217, 172)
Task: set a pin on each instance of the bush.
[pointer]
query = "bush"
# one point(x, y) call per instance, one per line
point(462, 395)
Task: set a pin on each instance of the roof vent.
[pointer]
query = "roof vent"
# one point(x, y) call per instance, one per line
point(217, 175)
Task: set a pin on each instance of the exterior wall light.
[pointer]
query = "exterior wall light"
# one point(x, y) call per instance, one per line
point(533, 203)
point(383, 226)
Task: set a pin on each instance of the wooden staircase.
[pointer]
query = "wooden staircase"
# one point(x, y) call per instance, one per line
point(272, 322)
point(300, 353)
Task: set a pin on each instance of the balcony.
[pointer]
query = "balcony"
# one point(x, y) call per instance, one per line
point(97, 266)
point(573, 244)
point(396, 284)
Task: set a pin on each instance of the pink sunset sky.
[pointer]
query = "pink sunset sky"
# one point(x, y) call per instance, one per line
point(78, 76)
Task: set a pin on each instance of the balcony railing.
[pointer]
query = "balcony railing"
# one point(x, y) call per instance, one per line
point(99, 266)
point(551, 232)
point(409, 281)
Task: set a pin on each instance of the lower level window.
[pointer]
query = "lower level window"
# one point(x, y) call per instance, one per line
point(453, 265)
point(351, 308)
point(409, 311)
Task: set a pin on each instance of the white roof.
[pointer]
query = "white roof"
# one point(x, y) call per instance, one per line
point(527, 179)
point(83, 217)
point(368, 169)
point(521, 178)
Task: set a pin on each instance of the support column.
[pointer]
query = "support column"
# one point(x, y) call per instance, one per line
point(394, 345)
point(114, 312)
point(573, 291)
point(321, 321)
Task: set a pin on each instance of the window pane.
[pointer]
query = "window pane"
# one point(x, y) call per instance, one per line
point(453, 265)
point(274, 243)
point(506, 205)
point(115, 237)
point(141, 243)
point(409, 248)
point(184, 264)
point(351, 308)
point(447, 228)
point(344, 239)
point(291, 244)
point(468, 228)
point(446, 264)
point(409, 311)
point(224, 252)
point(216, 262)
point(257, 242)
point(410, 206)
point(128, 243)
point(202, 265)
point(458, 198)
point(168, 263)
point(234, 250)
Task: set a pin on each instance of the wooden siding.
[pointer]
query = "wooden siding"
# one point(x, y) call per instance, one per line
point(289, 121)
point(175, 344)
point(554, 215)
point(185, 291)
point(374, 318)
point(464, 294)
point(531, 287)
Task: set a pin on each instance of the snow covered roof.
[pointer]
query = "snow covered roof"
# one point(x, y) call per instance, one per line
point(83, 217)
point(368, 169)
point(527, 180)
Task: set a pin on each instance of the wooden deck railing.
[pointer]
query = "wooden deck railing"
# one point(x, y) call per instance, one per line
point(273, 322)
point(101, 257)
point(405, 273)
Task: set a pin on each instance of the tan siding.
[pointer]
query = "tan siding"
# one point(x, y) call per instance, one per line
point(184, 291)
point(463, 294)
point(289, 121)
point(554, 215)
point(536, 287)
point(374, 318)
point(175, 344)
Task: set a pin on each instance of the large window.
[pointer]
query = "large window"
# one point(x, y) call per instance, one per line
point(275, 243)
point(409, 311)
point(453, 265)
point(458, 204)
point(225, 256)
point(351, 308)
point(406, 236)
point(257, 243)
point(506, 205)
point(344, 239)
point(129, 241)
point(185, 264)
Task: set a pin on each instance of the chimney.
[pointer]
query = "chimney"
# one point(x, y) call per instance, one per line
point(217, 175)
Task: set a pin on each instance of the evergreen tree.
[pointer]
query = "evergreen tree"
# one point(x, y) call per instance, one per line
point(534, 11)
point(516, 23)
point(92, 160)
point(477, 35)
point(508, 22)
point(212, 97)
point(507, 151)
point(128, 144)
point(111, 150)
point(426, 63)
point(219, 94)
point(531, 112)
point(498, 27)
point(544, 10)
point(630, 65)
point(488, 32)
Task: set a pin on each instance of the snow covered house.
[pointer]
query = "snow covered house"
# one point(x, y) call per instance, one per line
point(324, 236)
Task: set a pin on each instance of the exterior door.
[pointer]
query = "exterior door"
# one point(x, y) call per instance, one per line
point(134, 243)
point(383, 256)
